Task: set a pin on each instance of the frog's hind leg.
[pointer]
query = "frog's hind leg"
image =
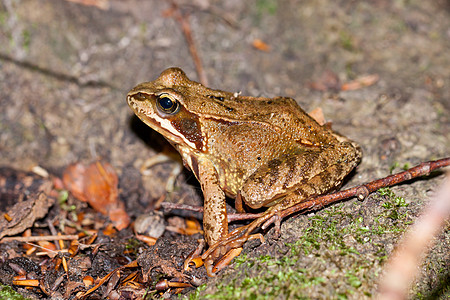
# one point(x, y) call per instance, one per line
point(235, 239)
point(309, 173)
point(323, 178)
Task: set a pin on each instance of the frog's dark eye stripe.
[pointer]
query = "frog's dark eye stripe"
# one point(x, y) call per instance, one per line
point(166, 104)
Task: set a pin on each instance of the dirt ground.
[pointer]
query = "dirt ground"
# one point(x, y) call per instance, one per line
point(66, 68)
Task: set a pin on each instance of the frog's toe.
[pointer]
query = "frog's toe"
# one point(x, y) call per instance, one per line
point(225, 261)
point(219, 259)
point(194, 258)
point(222, 253)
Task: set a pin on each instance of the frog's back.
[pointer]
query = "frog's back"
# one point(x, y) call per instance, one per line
point(286, 119)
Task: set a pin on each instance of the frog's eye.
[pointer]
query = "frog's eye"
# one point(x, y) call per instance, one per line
point(167, 104)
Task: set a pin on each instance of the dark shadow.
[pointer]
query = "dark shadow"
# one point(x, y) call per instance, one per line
point(441, 289)
point(348, 177)
point(149, 136)
point(445, 4)
point(158, 143)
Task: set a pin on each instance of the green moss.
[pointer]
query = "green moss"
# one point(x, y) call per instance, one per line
point(7, 292)
point(346, 41)
point(26, 36)
point(133, 244)
point(340, 252)
point(396, 165)
point(266, 6)
point(196, 294)
point(3, 17)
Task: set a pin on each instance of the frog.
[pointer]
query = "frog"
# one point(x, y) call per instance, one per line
point(265, 153)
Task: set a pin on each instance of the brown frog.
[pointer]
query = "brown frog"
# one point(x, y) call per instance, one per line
point(260, 151)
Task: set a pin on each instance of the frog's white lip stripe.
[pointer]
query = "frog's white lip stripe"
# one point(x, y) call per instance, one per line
point(153, 120)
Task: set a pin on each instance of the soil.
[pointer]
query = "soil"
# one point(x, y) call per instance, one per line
point(66, 68)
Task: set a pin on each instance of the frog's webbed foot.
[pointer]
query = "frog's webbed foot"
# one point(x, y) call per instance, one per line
point(220, 254)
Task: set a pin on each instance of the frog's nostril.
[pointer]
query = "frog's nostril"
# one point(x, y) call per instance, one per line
point(139, 96)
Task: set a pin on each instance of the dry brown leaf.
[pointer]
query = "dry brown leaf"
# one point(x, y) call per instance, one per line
point(26, 282)
point(88, 281)
point(327, 81)
point(97, 184)
point(317, 114)
point(101, 4)
point(151, 241)
point(109, 231)
point(360, 82)
point(73, 179)
point(23, 202)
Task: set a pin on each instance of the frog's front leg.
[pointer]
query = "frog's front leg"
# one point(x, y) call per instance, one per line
point(223, 246)
point(215, 221)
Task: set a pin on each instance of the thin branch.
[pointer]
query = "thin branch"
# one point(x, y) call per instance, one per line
point(183, 20)
point(199, 209)
point(39, 238)
point(171, 206)
point(364, 190)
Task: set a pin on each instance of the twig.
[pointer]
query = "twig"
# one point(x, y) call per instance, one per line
point(364, 190)
point(170, 206)
point(53, 231)
point(183, 20)
point(243, 216)
point(39, 238)
point(231, 217)
point(101, 281)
